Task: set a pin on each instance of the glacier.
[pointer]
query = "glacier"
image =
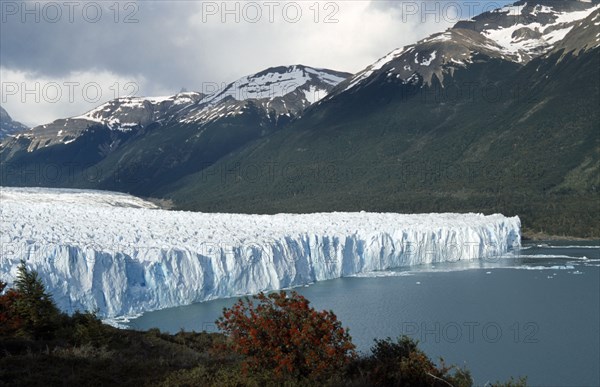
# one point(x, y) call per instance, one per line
point(122, 256)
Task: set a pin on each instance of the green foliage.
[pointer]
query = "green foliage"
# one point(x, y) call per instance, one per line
point(401, 363)
point(34, 306)
point(83, 328)
point(385, 351)
point(533, 153)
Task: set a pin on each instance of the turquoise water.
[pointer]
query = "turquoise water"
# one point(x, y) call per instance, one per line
point(535, 314)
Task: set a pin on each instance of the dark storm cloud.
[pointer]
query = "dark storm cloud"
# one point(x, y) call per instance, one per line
point(155, 38)
point(166, 45)
point(139, 38)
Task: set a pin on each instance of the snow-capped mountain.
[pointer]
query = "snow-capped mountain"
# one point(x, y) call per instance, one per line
point(526, 30)
point(516, 33)
point(121, 115)
point(93, 250)
point(277, 92)
point(278, 83)
point(130, 112)
point(8, 126)
point(150, 142)
point(584, 36)
point(455, 122)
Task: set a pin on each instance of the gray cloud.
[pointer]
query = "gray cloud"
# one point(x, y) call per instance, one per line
point(166, 45)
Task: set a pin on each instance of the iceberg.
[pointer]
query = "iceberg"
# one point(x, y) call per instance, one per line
point(122, 256)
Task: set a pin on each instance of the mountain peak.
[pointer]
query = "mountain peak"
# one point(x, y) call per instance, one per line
point(127, 112)
point(281, 91)
point(275, 92)
point(526, 29)
point(516, 33)
point(9, 127)
point(277, 82)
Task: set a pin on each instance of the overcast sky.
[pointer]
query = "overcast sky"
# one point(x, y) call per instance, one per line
point(61, 58)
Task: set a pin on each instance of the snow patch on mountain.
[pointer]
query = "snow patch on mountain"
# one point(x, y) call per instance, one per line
point(284, 90)
point(94, 250)
point(314, 94)
point(537, 36)
point(540, 9)
point(366, 73)
point(128, 112)
point(426, 61)
point(516, 33)
point(273, 83)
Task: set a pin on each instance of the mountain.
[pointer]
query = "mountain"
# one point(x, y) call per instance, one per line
point(9, 127)
point(474, 122)
point(516, 33)
point(497, 114)
point(139, 144)
point(280, 91)
point(119, 115)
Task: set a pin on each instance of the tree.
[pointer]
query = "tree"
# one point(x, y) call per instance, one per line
point(401, 363)
point(34, 306)
point(282, 333)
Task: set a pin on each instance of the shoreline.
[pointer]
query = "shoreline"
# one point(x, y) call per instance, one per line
point(542, 236)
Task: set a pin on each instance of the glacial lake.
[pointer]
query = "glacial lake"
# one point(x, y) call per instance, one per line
point(535, 314)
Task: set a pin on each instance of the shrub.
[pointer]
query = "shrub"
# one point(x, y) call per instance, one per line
point(10, 322)
point(283, 334)
point(86, 328)
point(401, 363)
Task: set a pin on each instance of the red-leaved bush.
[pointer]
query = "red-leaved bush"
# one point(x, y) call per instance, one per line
point(10, 322)
point(283, 334)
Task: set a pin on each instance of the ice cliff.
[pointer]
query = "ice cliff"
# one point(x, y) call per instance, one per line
point(121, 255)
